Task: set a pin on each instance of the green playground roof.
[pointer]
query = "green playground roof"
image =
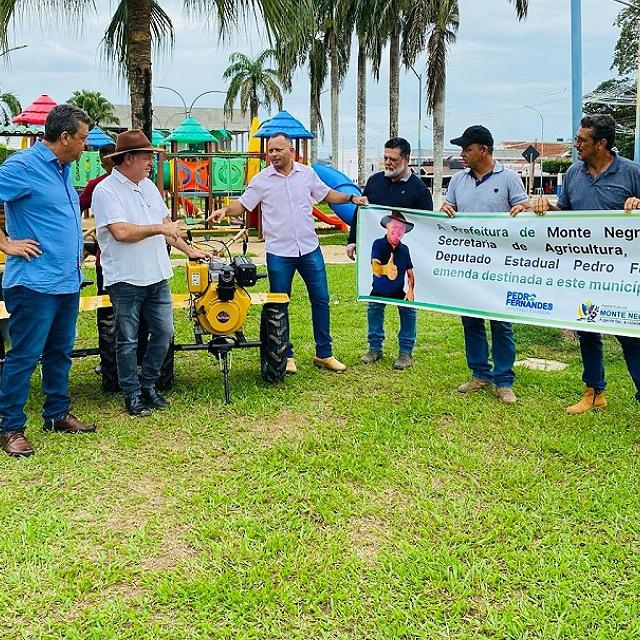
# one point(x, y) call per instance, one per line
point(221, 133)
point(190, 131)
point(157, 138)
point(21, 130)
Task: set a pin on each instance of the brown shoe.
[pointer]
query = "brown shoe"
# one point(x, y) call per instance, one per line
point(69, 424)
point(15, 444)
point(291, 369)
point(506, 395)
point(330, 363)
point(590, 400)
point(474, 384)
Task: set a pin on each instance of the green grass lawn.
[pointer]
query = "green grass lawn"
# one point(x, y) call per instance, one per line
point(373, 504)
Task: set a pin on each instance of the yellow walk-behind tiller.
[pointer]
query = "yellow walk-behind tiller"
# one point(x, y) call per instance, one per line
point(219, 303)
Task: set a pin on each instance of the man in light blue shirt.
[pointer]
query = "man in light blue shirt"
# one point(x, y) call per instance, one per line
point(486, 186)
point(601, 179)
point(42, 277)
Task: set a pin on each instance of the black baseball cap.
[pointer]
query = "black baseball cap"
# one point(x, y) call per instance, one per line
point(477, 133)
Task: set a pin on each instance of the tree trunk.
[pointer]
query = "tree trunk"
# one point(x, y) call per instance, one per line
point(361, 111)
point(394, 80)
point(438, 146)
point(139, 64)
point(313, 125)
point(335, 100)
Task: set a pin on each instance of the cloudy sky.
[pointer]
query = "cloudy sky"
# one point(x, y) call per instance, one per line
point(497, 66)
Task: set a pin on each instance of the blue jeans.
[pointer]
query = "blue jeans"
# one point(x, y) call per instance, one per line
point(310, 266)
point(503, 349)
point(130, 302)
point(406, 335)
point(41, 325)
point(593, 360)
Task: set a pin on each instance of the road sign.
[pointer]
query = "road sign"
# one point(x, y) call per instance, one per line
point(530, 153)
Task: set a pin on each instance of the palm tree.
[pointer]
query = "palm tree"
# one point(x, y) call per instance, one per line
point(306, 47)
point(138, 27)
point(253, 82)
point(9, 107)
point(366, 21)
point(337, 24)
point(100, 110)
point(443, 18)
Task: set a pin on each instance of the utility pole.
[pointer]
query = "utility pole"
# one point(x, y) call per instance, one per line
point(576, 69)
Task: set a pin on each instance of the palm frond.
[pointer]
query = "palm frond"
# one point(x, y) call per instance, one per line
point(115, 43)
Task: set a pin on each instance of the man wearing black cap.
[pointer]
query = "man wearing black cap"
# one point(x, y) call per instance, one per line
point(486, 186)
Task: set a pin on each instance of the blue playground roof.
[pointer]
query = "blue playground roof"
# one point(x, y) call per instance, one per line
point(286, 123)
point(98, 138)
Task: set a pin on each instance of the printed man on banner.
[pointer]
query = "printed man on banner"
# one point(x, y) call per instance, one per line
point(396, 186)
point(391, 261)
point(601, 179)
point(486, 186)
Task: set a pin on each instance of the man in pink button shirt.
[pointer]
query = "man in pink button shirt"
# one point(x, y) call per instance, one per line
point(286, 190)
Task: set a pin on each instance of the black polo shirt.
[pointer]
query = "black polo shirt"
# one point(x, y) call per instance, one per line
point(404, 194)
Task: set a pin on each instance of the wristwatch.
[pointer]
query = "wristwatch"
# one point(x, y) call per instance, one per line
point(351, 197)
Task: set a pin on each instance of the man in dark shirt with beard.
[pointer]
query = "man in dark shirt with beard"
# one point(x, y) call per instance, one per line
point(396, 186)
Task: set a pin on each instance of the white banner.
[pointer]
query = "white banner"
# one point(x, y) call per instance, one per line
point(573, 269)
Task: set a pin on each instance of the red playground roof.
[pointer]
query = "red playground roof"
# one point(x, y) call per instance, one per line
point(36, 113)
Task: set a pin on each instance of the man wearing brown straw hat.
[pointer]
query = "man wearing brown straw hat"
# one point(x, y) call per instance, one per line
point(133, 229)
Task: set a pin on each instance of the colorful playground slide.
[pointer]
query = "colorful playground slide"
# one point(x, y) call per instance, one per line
point(331, 219)
point(338, 181)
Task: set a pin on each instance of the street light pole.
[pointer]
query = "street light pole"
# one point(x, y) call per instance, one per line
point(576, 69)
point(419, 158)
point(204, 93)
point(186, 111)
point(541, 130)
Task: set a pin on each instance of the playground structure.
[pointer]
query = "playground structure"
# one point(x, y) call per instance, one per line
point(200, 173)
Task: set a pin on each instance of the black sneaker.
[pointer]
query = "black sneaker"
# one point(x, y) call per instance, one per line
point(153, 400)
point(373, 355)
point(136, 407)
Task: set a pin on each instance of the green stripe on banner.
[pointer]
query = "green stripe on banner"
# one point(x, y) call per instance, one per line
point(568, 269)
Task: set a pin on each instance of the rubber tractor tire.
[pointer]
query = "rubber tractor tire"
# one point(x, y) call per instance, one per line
point(274, 340)
point(107, 348)
point(167, 375)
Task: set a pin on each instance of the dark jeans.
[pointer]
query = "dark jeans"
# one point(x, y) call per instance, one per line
point(406, 335)
point(311, 268)
point(130, 303)
point(593, 360)
point(41, 325)
point(503, 349)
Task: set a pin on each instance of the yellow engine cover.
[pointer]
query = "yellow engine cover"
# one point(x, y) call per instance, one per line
point(222, 318)
point(197, 276)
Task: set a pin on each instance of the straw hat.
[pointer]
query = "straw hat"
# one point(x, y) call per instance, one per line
point(133, 140)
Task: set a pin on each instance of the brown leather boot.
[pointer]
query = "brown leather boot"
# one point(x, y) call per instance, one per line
point(69, 424)
point(15, 444)
point(590, 400)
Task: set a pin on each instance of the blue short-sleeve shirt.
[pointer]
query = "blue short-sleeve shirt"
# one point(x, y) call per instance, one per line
point(608, 190)
point(383, 286)
point(41, 204)
point(499, 190)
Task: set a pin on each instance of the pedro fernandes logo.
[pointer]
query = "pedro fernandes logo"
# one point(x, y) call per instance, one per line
point(527, 302)
point(588, 312)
